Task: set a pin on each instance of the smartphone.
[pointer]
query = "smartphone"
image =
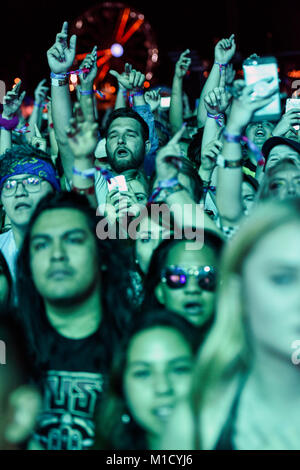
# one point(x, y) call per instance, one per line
point(256, 69)
point(117, 182)
point(292, 103)
point(165, 101)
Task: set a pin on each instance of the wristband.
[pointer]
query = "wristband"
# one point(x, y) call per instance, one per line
point(91, 92)
point(162, 185)
point(223, 163)
point(219, 118)
point(105, 173)
point(59, 81)
point(58, 75)
point(39, 105)
point(9, 124)
point(221, 66)
point(90, 190)
point(237, 139)
point(131, 95)
point(89, 173)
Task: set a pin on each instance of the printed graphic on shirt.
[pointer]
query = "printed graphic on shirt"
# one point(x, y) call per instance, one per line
point(66, 421)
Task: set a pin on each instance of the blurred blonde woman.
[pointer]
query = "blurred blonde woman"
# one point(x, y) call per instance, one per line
point(246, 383)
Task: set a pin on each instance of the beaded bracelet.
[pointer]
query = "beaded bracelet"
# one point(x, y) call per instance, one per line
point(90, 190)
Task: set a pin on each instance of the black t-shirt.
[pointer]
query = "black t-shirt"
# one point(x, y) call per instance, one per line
point(72, 384)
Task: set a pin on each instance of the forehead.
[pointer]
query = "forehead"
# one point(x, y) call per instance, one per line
point(125, 123)
point(157, 344)
point(22, 176)
point(280, 246)
point(280, 150)
point(181, 255)
point(57, 221)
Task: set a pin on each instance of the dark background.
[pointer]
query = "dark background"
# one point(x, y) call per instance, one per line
point(28, 29)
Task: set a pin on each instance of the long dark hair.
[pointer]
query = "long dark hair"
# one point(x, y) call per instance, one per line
point(111, 431)
point(116, 314)
point(6, 306)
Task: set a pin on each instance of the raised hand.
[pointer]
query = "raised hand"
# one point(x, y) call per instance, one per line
point(12, 102)
point(183, 64)
point(217, 101)
point(225, 50)
point(230, 74)
point(90, 62)
point(38, 141)
point(249, 99)
point(287, 123)
point(131, 79)
point(209, 155)
point(60, 55)
point(40, 93)
point(167, 170)
point(152, 97)
point(82, 135)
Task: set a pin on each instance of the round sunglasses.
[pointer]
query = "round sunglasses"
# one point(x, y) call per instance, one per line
point(176, 277)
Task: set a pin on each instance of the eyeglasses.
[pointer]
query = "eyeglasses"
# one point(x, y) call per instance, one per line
point(32, 184)
point(176, 277)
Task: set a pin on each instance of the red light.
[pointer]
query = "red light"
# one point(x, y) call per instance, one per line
point(17, 80)
point(146, 84)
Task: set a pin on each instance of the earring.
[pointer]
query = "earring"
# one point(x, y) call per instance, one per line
point(125, 418)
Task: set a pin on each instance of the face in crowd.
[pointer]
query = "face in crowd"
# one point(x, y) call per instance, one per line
point(20, 195)
point(125, 145)
point(259, 132)
point(188, 281)
point(270, 277)
point(150, 234)
point(280, 152)
point(64, 260)
point(157, 375)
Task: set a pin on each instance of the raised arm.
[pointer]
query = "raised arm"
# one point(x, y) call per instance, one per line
point(86, 91)
point(60, 59)
point(11, 105)
point(35, 119)
point(224, 51)
point(230, 173)
point(176, 105)
point(82, 137)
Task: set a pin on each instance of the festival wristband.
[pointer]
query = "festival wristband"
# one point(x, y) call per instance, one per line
point(221, 66)
point(171, 183)
point(219, 118)
point(237, 139)
point(89, 173)
point(105, 173)
point(224, 163)
point(9, 124)
point(91, 92)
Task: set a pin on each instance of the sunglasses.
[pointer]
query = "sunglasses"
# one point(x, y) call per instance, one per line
point(176, 277)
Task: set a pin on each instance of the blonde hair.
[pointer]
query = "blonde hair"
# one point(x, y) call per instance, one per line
point(226, 353)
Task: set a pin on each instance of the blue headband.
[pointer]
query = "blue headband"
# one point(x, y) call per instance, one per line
point(33, 166)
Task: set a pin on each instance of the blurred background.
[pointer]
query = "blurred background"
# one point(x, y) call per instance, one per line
point(150, 34)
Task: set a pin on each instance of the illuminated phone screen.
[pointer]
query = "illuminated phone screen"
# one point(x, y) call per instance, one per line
point(256, 72)
point(165, 101)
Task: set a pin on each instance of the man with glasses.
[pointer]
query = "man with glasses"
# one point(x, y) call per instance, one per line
point(26, 176)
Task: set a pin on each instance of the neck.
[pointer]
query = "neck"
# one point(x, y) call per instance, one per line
point(274, 379)
point(79, 319)
point(18, 233)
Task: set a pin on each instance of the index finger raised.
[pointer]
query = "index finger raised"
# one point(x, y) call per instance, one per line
point(176, 137)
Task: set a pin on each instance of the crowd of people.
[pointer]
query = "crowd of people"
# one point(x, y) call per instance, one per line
point(150, 263)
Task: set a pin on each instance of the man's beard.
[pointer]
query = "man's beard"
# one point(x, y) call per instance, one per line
point(122, 164)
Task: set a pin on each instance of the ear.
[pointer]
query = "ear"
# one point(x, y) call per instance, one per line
point(23, 407)
point(158, 292)
point(147, 146)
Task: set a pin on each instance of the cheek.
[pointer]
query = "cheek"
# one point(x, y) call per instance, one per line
point(138, 397)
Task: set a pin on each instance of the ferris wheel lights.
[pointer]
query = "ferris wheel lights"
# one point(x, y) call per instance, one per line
point(146, 84)
point(117, 50)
